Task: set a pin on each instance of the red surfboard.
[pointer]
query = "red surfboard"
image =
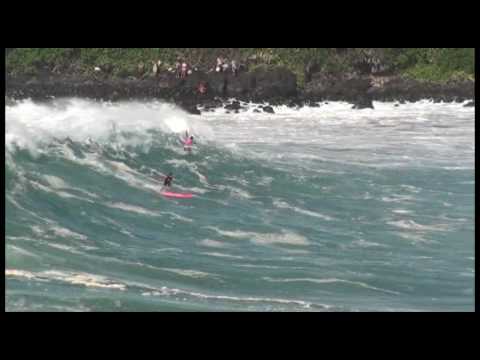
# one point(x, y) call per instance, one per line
point(176, 195)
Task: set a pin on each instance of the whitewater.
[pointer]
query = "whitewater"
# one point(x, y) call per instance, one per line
point(312, 209)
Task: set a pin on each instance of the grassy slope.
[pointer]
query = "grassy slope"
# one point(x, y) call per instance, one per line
point(434, 64)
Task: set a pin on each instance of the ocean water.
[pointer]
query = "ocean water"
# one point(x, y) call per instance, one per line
point(317, 209)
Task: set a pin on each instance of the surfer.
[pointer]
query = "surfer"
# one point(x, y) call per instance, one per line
point(168, 193)
point(187, 142)
point(168, 180)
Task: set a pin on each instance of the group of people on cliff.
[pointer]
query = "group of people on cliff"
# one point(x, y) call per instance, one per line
point(183, 69)
point(223, 65)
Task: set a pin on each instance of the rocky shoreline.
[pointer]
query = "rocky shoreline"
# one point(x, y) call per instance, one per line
point(277, 86)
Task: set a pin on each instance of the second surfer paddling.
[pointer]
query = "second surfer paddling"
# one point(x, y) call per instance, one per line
point(187, 142)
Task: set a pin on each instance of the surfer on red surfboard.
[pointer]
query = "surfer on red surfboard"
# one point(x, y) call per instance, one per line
point(167, 183)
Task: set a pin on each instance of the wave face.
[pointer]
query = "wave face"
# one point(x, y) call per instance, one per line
point(317, 209)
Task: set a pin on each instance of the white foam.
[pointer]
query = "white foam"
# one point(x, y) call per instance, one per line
point(412, 225)
point(239, 193)
point(55, 191)
point(296, 251)
point(66, 233)
point(18, 250)
point(88, 280)
point(212, 243)
point(178, 163)
point(398, 198)
point(62, 247)
point(167, 249)
point(37, 230)
point(190, 273)
point(401, 211)
point(55, 182)
point(178, 217)
point(19, 273)
point(415, 238)
point(254, 266)
point(29, 125)
point(332, 280)
point(196, 190)
point(304, 304)
point(285, 205)
point(375, 137)
point(216, 254)
point(364, 243)
point(85, 279)
point(411, 188)
point(56, 230)
point(265, 181)
point(284, 238)
point(164, 291)
point(132, 208)
point(238, 234)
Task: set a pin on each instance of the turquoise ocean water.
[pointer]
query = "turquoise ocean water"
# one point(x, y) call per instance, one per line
point(316, 209)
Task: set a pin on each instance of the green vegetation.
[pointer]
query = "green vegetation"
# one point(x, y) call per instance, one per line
point(430, 64)
point(435, 64)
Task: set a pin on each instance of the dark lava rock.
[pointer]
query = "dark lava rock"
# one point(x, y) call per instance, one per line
point(268, 109)
point(292, 104)
point(273, 83)
point(363, 103)
point(233, 106)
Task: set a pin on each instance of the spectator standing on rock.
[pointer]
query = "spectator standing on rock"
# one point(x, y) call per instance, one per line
point(234, 68)
point(219, 66)
point(184, 70)
point(225, 65)
point(202, 88)
point(178, 66)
